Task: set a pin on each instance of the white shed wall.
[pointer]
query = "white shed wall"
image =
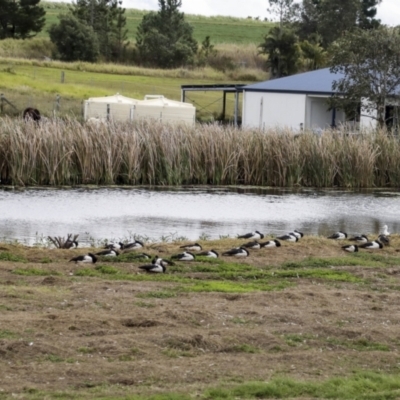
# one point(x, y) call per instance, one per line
point(269, 110)
point(367, 119)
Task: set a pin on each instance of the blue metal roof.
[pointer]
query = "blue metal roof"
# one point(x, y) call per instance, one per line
point(312, 82)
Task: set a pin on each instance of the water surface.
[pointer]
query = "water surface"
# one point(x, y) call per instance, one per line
point(119, 213)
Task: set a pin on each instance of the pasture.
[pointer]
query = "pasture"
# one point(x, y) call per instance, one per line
point(305, 320)
point(220, 29)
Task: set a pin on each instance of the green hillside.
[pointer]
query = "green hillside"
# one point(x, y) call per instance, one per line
point(220, 29)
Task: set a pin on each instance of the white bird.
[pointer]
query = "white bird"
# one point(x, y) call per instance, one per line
point(385, 231)
point(297, 233)
point(160, 261)
point(108, 253)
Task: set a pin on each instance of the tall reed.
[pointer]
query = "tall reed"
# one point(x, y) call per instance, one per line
point(69, 153)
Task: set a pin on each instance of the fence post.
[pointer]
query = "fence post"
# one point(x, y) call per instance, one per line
point(56, 105)
point(1, 103)
point(62, 76)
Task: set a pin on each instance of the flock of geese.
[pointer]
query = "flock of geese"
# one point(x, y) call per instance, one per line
point(190, 251)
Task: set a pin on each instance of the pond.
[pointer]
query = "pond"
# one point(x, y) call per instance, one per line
point(169, 213)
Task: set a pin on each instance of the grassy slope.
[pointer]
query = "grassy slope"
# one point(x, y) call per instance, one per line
point(220, 29)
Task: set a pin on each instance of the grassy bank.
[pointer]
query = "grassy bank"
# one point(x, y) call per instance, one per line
point(310, 319)
point(69, 153)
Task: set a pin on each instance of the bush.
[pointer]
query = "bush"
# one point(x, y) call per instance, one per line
point(74, 40)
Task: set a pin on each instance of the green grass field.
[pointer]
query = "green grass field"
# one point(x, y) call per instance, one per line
point(26, 85)
point(220, 29)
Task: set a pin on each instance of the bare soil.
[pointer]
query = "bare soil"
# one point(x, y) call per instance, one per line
point(81, 334)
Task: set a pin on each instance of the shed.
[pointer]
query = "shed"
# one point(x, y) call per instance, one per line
point(120, 108)
point(296, 102)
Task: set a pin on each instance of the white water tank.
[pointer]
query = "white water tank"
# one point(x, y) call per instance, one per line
point(157, 107)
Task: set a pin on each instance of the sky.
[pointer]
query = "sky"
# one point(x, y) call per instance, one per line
point(388, 10)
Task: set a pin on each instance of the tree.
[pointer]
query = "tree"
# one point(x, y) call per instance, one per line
point(74, 40)
point(21, 19)
point(164, 39)
point(332, 18)
point(370, 63)
point(283, 51)
point(284, 10)
point(107, 19)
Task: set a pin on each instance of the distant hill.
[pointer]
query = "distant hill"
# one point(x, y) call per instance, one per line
point(220, 29)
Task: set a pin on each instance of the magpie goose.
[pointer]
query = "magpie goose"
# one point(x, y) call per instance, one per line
point(153, 268)
point(271, 243)
point(192, 247)
point(185, 256)
point(359, 239)
point(338, 235)
point(351, 248)
point(252, 235)
point(108, 253)
point(87, 258)
point(211, 254)
point(289, 238)
point(237, 252)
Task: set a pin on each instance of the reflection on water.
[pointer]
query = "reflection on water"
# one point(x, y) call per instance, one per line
point(156, 213)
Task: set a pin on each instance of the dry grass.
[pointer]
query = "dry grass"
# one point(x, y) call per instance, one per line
point(306, 311)
point(68, 153)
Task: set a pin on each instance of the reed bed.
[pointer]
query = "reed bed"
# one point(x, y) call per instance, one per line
point(66, 152)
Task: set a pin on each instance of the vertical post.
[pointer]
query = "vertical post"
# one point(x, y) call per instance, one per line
point(56, 105)
point(62, 76)
point(223, 106)
point(1, 103)
point(108, 112)
point(236, 107)
point(183, 92)
point(333, 125)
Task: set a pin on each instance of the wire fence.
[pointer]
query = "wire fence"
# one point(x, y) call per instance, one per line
point(49, 81)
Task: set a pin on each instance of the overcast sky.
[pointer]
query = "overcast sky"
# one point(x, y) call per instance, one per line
point(388, 10)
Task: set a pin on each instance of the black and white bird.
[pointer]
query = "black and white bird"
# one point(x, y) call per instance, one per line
point(87, 258)
point(359, 239)
point(114, 246)
point(252, 245)
point(143, 256)
point(185, 256)
point(297, 233)
point(338, 235)
point(160, 261)
point(288, 238)
point(351, 248)
point(70, 244)
point(237, 252)
point(271, 244)
point(137, 244)
point(211, 254)
point(192, 247)
point(153, 268)
point(375, 244)
point(256, 235)
point(108, 253)
point(384, 239)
